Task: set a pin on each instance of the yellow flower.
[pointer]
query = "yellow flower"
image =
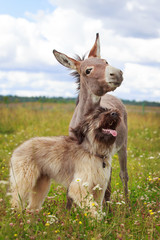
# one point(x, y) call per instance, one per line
point(80, 222)
point(48, 213)
point(151, 212)
point(78, 180)
point(85, 214)
point(47, 224)
point(56, 231)
point(117, 183)
point(15, 234)
point(93, 204)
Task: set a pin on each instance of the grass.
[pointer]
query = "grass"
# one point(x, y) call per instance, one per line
point(140, 220)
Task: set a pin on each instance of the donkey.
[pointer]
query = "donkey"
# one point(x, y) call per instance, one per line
point(95, 78)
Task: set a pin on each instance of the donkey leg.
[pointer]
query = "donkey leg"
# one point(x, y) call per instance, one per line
point(122, 154)
point(39, 192)
point(107, 194)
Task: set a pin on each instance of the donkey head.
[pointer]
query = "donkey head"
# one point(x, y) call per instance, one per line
point(95, 73)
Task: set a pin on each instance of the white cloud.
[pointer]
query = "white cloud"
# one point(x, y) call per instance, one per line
point(29, 67)
point(34, 84)
point(140, 82)
point(136, 18)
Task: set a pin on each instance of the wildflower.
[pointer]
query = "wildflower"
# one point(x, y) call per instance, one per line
point(47, 224)
point(49, 213)
point(123, 202)
point(80, 222)
point(15, 234)
point(85, 184)
point(93, 204)
point(78, 180)
point(118, 203)
point(11, 224)
point(85, 214)
point(3, 181)
point(151, 212)
point(117, 183)
point(52, 219)
point(97, 187)
point(28, 221)
point(56, 231)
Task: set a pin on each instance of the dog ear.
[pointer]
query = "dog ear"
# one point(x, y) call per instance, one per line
point(80, 131)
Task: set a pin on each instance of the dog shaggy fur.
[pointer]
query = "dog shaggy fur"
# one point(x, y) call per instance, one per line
point(83, 166)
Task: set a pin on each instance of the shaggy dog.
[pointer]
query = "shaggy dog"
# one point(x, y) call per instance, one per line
point(83, 166)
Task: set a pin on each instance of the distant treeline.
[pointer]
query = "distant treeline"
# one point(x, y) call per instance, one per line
point(15, 99)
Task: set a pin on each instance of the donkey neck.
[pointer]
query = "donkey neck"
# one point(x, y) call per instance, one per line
point(87, 100)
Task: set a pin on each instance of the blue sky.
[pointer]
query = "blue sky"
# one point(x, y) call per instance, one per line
point(17, 8)
point(30, 30)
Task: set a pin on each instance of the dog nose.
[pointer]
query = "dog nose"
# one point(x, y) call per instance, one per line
point(113, 114)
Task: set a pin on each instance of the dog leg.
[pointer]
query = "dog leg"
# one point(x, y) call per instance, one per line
point(85, 199)
point(69, 202)
point(39, 192)
point(18, 197)
point(122, 154)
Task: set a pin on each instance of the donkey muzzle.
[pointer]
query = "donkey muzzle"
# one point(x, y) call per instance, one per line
point(114, 76)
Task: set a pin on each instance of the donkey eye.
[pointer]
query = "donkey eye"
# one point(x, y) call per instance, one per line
point(88, 70)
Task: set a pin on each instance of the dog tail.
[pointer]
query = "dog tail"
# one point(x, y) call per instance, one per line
point(23, 176)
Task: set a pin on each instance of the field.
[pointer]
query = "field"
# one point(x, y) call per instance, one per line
point(139, 220)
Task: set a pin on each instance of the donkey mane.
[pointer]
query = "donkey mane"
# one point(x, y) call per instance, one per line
point(75, 74)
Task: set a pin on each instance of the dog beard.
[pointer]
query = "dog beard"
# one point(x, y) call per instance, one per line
point(108, 121)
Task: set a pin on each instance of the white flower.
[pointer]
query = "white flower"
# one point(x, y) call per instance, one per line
point(53, 219)
point(118, 203)
point(78, 180)
point(85, 184)
point(3, 182)
point(97, 187)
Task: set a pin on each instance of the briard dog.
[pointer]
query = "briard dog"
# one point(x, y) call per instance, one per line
point(83, 165)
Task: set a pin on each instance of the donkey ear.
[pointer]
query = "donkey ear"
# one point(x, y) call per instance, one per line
point(66, 61)
point(80, 132)
point(95, 51)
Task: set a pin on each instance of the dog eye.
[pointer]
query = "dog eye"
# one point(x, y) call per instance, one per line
point(88, 70)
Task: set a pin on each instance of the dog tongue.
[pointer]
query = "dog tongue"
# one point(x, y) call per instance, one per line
point(110, 131)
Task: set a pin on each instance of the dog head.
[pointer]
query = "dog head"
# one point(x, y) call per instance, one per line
point(99, 125)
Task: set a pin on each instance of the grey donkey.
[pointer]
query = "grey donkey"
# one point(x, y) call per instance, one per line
point(95, 78)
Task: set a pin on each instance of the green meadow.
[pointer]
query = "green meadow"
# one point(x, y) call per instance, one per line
point(138, 220)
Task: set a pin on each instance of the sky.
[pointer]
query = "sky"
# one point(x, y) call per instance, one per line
point(30, 30)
